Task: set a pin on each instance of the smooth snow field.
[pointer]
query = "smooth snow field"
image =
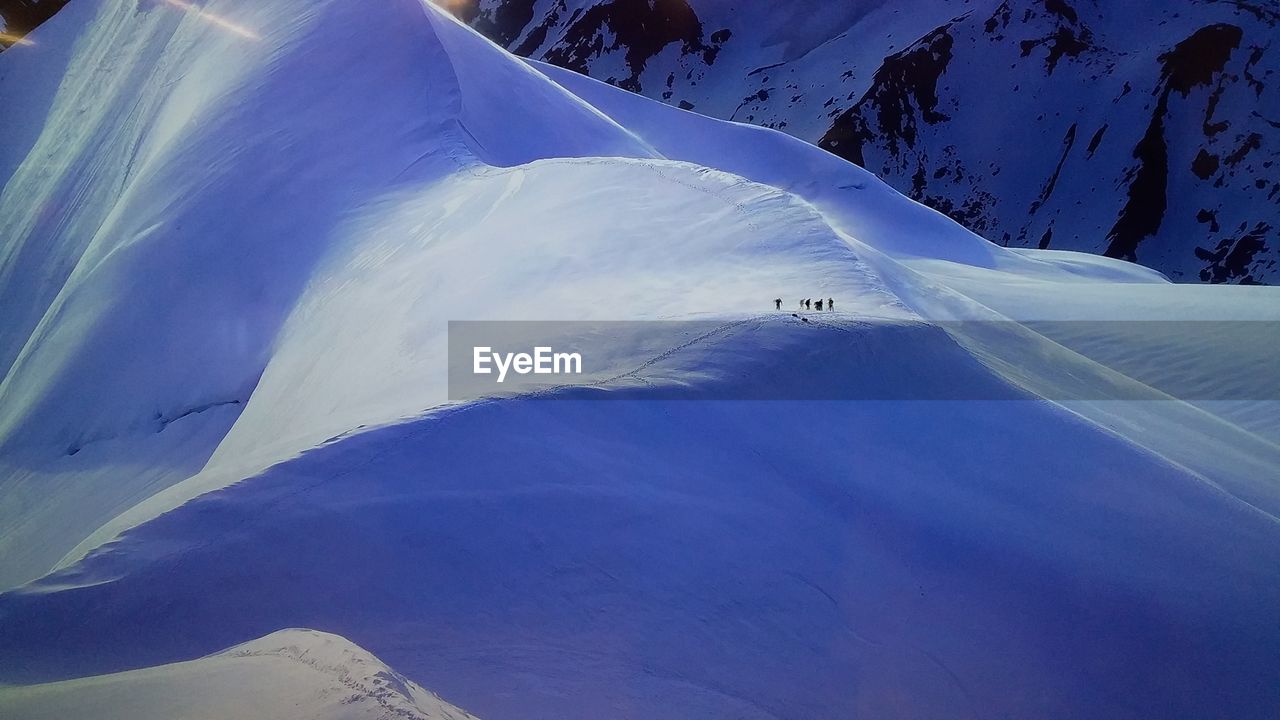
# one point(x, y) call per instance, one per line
point(232, 236)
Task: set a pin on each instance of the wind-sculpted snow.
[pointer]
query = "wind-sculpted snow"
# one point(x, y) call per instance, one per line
point(234, 234)
point(578, 558)
point(290, 673)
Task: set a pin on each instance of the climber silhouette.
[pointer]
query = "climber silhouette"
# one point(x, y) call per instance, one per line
point(778, 303)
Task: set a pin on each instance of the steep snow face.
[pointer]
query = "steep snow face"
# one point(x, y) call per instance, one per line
point(186, 179)
point(160, 114)
point(300, 674)
point(1035, 123)
point(118, 187)
point(160, 228)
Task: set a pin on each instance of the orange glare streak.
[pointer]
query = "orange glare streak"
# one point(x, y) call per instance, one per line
point(215, 20)
point(14, 39)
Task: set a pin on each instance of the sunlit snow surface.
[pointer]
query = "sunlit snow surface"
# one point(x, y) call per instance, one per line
point(233, 236)
point(290, 673)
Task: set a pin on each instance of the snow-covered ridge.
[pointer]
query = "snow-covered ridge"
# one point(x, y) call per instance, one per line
point(1035, 123)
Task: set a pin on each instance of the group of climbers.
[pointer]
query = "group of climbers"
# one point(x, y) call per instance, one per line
point(808, 304)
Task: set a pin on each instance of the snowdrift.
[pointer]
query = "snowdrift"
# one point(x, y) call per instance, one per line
point(234, 233)
point(581, 558)
point(290, 673)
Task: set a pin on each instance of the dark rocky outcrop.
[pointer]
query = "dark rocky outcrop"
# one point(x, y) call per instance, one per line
point(1192, 63)
point(640, 27)
point(903, 93)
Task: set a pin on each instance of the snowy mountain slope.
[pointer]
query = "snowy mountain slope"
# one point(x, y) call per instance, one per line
point(290, 673)
point(947, 274)
point(627, 556)
point(266, 215)
point(1159, 150)
point(224, 259)
point(52, 500)
point(232, 281)
point(111, 240)
point(1036, 123)
point(728, 61)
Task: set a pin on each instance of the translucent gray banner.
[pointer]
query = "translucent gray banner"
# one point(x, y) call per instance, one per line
point(833, 357)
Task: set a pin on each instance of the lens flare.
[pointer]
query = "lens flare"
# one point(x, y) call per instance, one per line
point(215, 20)
point(455, 6)
point(12, 39)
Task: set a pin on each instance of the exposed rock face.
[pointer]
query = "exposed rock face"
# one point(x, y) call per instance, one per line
point(635, 30)
point(1068, 124)
point(1192, 63)
point(903, 92)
